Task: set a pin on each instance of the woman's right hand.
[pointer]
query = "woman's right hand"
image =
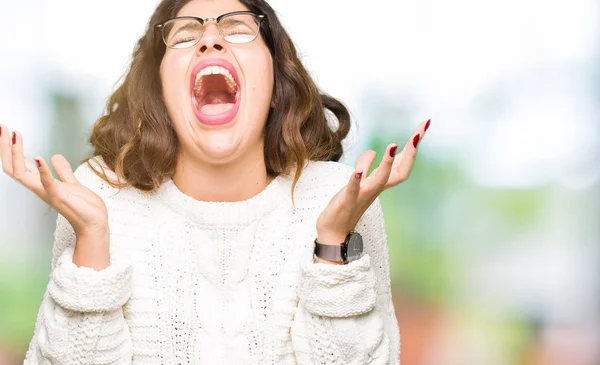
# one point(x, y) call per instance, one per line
point(83, 208)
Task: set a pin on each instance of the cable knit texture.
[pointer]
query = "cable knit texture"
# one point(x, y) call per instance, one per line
point(331, 291)
point(193, 282)
point(86, 290)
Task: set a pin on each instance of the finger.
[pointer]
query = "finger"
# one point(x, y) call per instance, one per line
point(6, 150)
point(33, 182)
point(381, 174)
point(426, 126)
point(353, 188)
point(63, 169)
point(32, 173)
point(405, 159)
point(32, 168)
point(48, 181)
point(403, 165)
point(422, 128)
point(18, 159)
point(364, 162)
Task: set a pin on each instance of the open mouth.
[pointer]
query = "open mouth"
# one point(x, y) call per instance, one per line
point(216, 95)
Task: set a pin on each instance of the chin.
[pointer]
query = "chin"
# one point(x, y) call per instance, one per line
point(218, 146)
point(220, 155)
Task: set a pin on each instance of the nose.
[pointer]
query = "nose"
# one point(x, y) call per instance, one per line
point(211, 38)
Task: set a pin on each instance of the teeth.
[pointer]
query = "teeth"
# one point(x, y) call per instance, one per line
point(215, 70)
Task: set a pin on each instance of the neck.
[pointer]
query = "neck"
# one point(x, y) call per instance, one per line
point(231, 182)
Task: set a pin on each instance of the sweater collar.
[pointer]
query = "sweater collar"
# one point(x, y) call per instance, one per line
point(216, 214)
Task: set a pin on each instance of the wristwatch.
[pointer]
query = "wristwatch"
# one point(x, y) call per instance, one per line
point(350, 250)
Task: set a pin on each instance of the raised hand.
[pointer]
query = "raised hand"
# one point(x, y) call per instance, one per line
point(83, 208)
point(345, 209)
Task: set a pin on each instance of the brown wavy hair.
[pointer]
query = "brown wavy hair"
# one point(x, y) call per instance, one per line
point(138, 143)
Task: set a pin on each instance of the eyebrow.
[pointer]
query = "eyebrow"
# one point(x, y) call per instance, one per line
point(191, 25)
point(235, 22)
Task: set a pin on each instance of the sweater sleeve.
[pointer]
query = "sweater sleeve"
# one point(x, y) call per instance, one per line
point(346, 311)
point(80, 320)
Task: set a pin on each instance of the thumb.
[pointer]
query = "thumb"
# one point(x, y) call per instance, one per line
point(63, 169)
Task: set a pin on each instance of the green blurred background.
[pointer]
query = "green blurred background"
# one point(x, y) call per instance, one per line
point(494, 239)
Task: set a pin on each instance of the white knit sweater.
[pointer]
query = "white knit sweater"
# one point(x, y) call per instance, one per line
point(194, 282)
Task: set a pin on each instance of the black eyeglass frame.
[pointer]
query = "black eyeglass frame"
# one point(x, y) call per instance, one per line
point(258, 17)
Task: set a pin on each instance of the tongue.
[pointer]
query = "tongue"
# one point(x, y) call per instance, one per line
point(216, 103)
point(213, 109)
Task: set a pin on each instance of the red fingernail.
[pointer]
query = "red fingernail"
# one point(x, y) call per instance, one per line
point(393, 151)
point(0, 131)
point(358, 175)
point(14, 137)
point(416, 140)
point(427, 124)
point(38, 162)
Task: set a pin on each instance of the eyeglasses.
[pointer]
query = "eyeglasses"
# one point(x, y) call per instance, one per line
point(236, 27)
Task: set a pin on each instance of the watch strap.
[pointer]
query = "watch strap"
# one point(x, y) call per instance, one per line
point(329, 252)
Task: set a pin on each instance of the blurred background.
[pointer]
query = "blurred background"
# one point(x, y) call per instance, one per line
point(495, 238)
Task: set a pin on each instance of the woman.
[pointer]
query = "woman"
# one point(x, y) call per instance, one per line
point(213, 225)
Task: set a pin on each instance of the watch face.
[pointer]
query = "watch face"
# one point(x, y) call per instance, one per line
point(355, 247)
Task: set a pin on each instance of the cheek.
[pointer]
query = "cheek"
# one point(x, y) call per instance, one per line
point(262, 77)
point(268, 72)
point(172, 75)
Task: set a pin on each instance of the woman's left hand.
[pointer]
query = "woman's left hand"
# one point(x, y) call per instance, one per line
point(345, 209)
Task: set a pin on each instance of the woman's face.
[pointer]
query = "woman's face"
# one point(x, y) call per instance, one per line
point(218, 118)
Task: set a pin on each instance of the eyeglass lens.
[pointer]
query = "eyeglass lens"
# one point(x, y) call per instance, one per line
point(183, 33)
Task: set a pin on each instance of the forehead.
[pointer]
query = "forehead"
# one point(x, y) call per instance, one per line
point(210, 8)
